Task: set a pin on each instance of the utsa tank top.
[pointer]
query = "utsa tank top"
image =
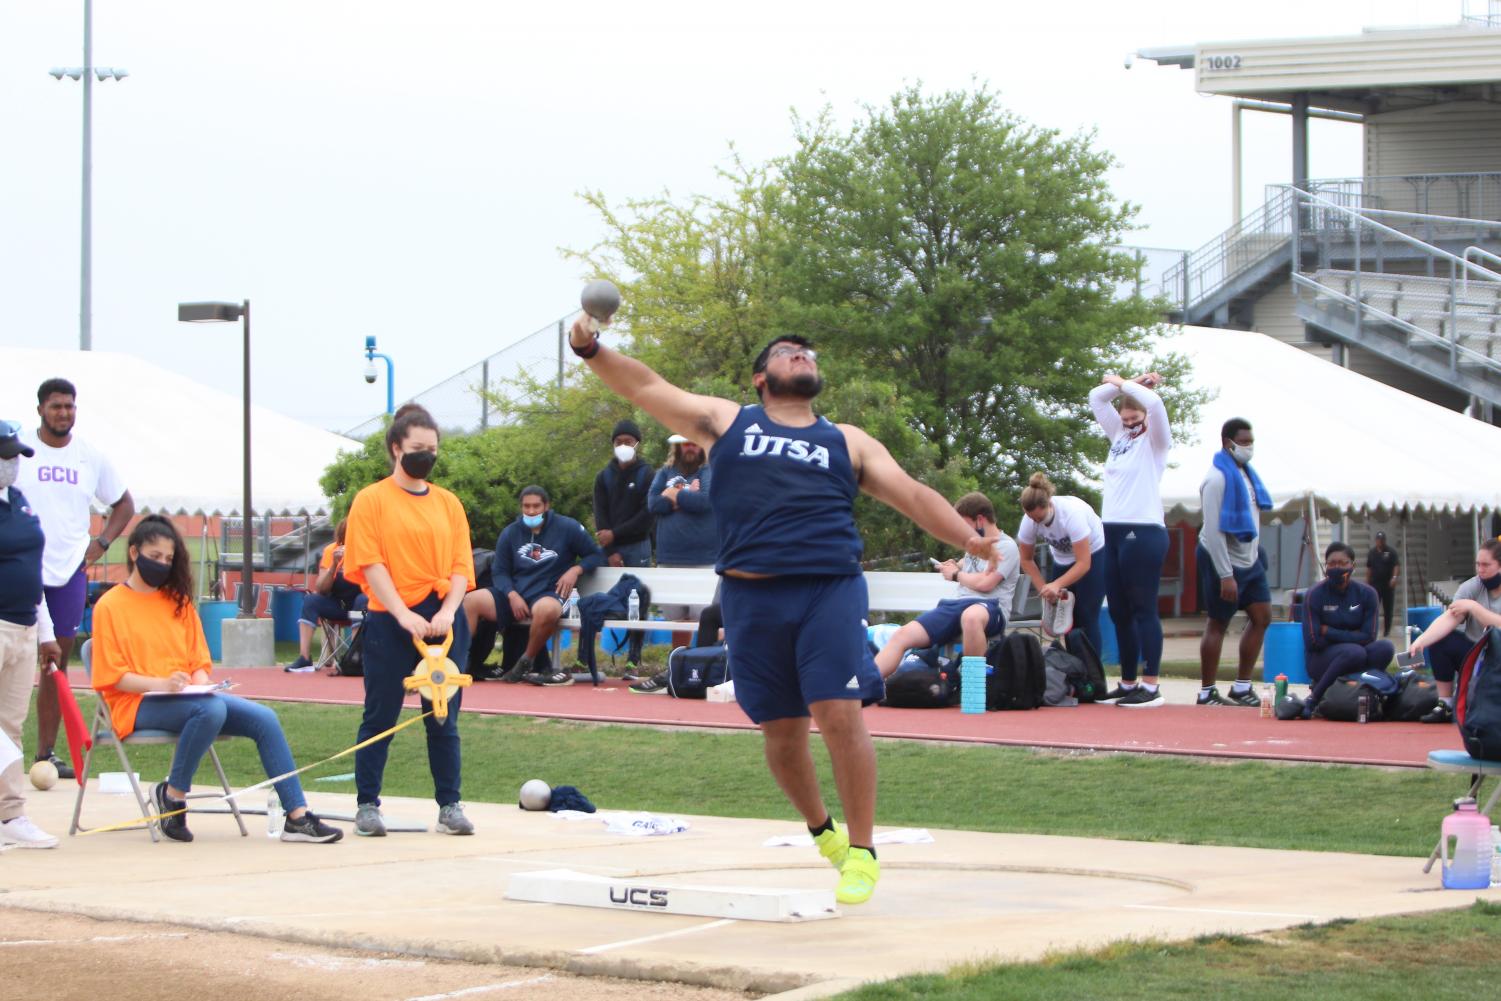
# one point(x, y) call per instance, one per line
point(784, 498)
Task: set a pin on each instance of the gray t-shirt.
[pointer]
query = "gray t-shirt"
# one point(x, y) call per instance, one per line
point(1008, 560)
point(1226, 551)
point(1475, 591)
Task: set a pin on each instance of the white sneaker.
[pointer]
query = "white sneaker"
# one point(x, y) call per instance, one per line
point(1058, 616)
point(22, 833)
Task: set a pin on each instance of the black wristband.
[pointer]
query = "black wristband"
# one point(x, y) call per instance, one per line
point(586, 352)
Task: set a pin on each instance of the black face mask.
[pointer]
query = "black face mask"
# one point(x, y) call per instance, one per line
point(418, 465)
point(154, 573)
point(1491, 583)
point(1337, 575)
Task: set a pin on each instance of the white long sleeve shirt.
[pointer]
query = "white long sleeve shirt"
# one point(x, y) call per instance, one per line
point(1134, 467)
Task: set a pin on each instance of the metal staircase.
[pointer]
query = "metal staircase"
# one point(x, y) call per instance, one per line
point(1363, 278)
point(1375, 263)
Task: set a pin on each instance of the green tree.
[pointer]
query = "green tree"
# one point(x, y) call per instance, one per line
point(945, 245)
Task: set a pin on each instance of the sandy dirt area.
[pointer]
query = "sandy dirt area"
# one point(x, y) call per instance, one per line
point(59, 957)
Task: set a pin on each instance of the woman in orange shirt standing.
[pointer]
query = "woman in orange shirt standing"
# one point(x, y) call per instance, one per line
point(148, 641)
point(408, 547)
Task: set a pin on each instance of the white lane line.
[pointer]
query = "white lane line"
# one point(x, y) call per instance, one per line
point(694, 929)
point(483, 989)
point(1212, 910)
point(96, 938)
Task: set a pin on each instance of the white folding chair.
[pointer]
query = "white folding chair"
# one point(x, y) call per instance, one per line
point(104, 733)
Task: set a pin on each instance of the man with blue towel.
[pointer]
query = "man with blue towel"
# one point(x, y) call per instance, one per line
point(1231, 565)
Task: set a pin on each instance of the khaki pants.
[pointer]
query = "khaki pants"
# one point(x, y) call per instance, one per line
point(17, 674)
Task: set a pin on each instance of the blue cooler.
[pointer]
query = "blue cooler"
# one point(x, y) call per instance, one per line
point(212, 614)
point(1110, 647)
point(1284, 653)
point(286, 609)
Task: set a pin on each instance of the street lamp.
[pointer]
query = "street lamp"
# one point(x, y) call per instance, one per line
point(370, 355)
point(86, 262)
point(219, 312)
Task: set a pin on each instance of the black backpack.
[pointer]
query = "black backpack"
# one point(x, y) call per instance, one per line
point(692, 671)
point(1093, 686)
point(1017, 678)
point(1477, 703)
point(1341, 703)
point(934, 685)
point(1417, 697)
point(351, 664)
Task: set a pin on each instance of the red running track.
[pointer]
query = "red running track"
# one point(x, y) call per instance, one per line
point(1171, 729)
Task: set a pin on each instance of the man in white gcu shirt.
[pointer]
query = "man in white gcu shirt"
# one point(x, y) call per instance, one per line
point(61, 482)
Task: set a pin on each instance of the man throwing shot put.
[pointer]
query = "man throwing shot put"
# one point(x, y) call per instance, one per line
point(794, 598)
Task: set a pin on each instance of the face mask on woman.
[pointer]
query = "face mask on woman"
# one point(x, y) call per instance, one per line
point(1337, 575)
point(1491, 583)
point(418, 465)
point(153, 572)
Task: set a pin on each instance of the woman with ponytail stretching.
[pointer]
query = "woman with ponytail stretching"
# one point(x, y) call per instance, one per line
point(407, 545)
point(1135, 531)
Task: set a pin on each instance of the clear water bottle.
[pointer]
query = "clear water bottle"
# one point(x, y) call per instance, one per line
point(1363, 707)
point(1266, 702)
point(1467, 864)
point(1495, 855)
point(273, 815)
point(633, 606)
point(571, 606)
point(972, 685)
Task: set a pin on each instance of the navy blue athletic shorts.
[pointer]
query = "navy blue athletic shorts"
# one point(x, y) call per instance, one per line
point(795, 640)
point(1250, 584)
point(943, 626)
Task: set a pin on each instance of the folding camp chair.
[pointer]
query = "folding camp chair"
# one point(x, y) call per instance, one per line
point(336, 635)
point(1478, 770)
point(104, 733)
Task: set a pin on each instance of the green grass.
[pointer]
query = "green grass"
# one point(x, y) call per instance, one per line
point(1431, 957)
point(982, 788)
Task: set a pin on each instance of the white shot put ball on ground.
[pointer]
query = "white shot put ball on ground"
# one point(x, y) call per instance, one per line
point(44, 775)
point(535, 795)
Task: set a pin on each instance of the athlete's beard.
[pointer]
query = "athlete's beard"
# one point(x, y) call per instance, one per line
point(803, 386)
point(55, 431)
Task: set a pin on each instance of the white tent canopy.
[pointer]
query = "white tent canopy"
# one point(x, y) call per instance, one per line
point(1353, 445)
point(176, 442)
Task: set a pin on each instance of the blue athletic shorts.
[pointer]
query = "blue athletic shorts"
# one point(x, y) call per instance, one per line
point(1250, 585)
point(943, 626)
point(795, 640)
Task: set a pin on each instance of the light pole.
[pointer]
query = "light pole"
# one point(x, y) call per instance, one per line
point(370, 355)
point(215, 312)
point(86, 262)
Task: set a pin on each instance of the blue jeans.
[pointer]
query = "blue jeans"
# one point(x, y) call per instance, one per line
point(1336, 660)
point(1133, 573)
point(199, 719)
point(389, 657)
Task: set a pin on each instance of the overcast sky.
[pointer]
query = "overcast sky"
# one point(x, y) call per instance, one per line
point(409, 170)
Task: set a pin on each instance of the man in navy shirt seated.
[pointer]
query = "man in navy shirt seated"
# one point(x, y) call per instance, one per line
point(1339, 626)
point(539, 558)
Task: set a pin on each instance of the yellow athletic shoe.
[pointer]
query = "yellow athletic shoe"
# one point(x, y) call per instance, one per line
point(833, 845)
point(857, 877)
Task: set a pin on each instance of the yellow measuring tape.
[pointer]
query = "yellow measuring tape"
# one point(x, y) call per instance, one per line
point(437, 678)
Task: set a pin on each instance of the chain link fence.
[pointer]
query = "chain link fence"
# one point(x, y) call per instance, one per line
point(460, 403)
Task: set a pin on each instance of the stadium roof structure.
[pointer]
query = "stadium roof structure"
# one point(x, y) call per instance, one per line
point(1351, 445)
point(176, 442)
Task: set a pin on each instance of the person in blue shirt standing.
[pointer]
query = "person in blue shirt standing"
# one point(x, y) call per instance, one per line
point(1339, 626)
point(794, 596)
point(25, 629)
point(539, 559)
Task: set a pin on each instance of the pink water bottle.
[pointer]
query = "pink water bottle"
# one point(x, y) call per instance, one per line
point(1467, 863)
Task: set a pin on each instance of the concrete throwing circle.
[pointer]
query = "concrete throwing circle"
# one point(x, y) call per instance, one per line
point(956, 890)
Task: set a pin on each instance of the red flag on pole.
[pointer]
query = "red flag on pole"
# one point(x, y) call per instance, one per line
point(79, 739)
